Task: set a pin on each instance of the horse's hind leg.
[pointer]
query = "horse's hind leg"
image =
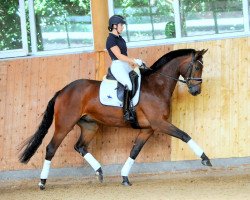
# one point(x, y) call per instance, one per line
point(141, 139)
point(55, 142)
point(88, 131)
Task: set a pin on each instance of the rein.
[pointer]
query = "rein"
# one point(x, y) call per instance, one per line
point(176, 79)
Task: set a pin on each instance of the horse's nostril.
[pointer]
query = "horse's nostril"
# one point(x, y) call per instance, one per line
point(195, 92)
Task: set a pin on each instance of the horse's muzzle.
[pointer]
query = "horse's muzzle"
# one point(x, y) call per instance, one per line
point(194, 89)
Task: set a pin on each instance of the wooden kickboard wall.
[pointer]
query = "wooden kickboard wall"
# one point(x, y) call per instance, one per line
point(217, 119)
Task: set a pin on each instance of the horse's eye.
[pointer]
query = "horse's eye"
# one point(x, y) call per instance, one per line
point(197, 68)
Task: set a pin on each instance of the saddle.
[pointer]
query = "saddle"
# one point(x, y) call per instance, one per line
point(120, 88)
point(112, 92)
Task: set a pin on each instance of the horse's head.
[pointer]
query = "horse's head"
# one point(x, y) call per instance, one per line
point(192, 72)
point(185, 62)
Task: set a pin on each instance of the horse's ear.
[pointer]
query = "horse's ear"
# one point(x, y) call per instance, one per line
point(198, 54)
point(203, 51)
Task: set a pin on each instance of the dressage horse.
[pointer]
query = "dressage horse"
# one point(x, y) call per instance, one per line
point(78, 103)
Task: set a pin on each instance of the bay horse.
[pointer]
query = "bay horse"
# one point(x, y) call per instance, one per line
point(78, 104)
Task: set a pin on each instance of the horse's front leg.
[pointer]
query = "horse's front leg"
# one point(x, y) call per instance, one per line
point(170, 129)
point(141, 139)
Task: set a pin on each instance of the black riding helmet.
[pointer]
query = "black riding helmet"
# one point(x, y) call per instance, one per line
point(114, 20)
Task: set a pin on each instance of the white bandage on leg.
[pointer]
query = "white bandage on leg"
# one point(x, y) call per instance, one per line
point(92, 161)
point(45, 171)
point(197, 150)
point(127, 166)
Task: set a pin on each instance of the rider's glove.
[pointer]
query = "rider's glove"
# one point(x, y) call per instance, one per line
point(139, 62)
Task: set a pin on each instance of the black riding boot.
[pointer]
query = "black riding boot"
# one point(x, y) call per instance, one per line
point(127, 114)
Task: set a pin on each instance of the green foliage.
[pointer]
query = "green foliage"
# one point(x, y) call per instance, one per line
point(130, 3)
point(62, 7)
point(155, 9)
point(141, 7)
point(170, 30)
point(196, 9)
point(210, 5)
point(53, 16)
point(10, 32)
point(47, 13)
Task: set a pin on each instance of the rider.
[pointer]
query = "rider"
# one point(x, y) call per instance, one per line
point(120, 66)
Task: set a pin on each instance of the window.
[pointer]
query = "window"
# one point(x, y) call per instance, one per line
point(248, 13)
point(211, 17)
point(52, 26)
point(171, 21)
point(146, 20)
point(13, 39)
point(62, 24)
point(58, 26)
point(10, 32)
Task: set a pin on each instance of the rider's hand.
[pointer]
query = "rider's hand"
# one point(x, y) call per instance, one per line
point(139, 62)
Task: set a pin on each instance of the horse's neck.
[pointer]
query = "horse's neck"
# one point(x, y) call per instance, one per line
point(171, 70)
point(161, 83)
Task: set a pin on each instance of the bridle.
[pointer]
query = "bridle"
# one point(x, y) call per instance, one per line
point(189, 77)
point(190, 68)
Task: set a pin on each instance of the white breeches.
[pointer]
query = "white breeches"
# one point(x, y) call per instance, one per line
point(121, 70)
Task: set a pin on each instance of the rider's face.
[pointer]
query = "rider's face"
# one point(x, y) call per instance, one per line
point(120, 27)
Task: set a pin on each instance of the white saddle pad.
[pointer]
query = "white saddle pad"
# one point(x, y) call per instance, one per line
point(108, 92)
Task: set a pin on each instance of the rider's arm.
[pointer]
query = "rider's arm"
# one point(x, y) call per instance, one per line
point(117, 52)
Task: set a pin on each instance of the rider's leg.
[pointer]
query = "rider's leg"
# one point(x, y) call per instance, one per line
point(121, 70)
point(126, 104)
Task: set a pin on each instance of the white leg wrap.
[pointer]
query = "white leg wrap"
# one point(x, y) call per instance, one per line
point(127, 166)
point(92, 161)
point(45, 171)
point(197, 150)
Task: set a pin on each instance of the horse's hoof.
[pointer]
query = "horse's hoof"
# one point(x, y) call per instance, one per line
point(206, 162)
point(125, 181)
point(41, 186)
point(99, 174)
point(100, 177)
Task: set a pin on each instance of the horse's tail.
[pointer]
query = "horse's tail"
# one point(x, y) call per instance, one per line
point(35, 141)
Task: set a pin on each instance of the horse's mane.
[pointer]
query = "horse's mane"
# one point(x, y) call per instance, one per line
point(167, 58)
